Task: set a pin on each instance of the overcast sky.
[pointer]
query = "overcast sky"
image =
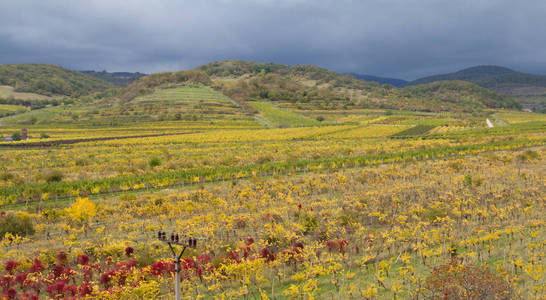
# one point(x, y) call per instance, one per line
point(398, 38)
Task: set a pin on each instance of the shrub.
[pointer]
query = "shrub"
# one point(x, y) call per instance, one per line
point(309, 222)
point(431, 214)
point(154, 161)
point(54, 176)
point(457, 281)
point(19, 223)
point(16, 136)
point(44, 135)
point(6, 176)
point(81, 162)
point(320, 118)
point(530, 154)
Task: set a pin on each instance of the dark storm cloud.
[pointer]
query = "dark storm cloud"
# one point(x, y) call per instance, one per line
point(404, 38)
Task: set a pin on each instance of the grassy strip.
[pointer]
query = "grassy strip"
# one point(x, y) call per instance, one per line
point(282, 118)
point(414, 131)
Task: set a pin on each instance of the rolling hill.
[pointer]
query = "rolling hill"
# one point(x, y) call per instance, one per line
point(473, 74)
point(237, 91)
point(50, 80)
point(529, 89)
point(311, 87)
point(314, 87)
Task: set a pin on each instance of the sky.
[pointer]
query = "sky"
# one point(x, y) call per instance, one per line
point(404, 39)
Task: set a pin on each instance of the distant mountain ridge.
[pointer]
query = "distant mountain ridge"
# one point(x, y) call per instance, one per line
point(473, 74)
point(381, 80)
point(529, 89)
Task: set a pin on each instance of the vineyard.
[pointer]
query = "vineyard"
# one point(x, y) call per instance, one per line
point(356, 204)
point(282, 118)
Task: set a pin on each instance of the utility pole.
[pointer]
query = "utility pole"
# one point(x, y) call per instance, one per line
point(175, 239)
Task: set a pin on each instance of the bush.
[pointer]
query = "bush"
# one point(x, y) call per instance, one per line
point(54, 176)
point(457, 281)
point(16, 136)
point(320, 118)
point(44, 135)
point(309, 222)
point(431, 214)
point(154, 161)
point(530, 154)
point(6, 176)
point(16, 223)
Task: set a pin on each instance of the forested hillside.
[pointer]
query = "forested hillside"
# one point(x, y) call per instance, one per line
point(310, 85)
point(529, 89)
point(50, 80)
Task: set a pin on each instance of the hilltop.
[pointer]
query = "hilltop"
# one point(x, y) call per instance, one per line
point(50, 80)
point(311, 86)
point(529, 89)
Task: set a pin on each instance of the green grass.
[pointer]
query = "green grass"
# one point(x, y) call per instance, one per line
point(58, 114)
point(515, 117)
point(278, 117)
point(417, 130)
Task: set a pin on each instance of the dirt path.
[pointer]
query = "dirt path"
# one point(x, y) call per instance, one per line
point(75, 141)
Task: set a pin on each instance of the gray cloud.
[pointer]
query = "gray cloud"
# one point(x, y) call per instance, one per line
point(400, 38)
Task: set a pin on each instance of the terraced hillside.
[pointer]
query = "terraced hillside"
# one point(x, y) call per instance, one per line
point(181, 103)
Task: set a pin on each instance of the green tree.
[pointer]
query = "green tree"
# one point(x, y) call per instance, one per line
point(16, 136)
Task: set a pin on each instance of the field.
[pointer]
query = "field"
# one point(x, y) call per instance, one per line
point(7, 92)
point(277, 117)
point(367, 204)
point(520, 117)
